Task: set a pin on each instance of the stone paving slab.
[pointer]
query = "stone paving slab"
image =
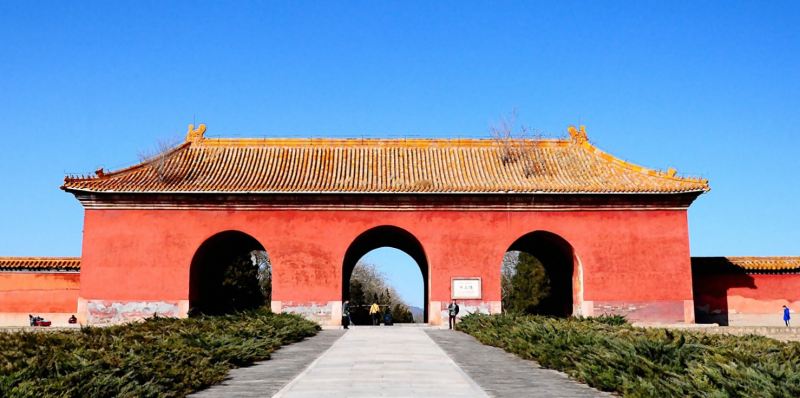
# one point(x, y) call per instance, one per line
point(502, 374)
point(266, 378)
point(383, 362)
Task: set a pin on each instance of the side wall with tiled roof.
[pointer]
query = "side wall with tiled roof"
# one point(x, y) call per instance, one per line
point(38, 286)
point(745, 291)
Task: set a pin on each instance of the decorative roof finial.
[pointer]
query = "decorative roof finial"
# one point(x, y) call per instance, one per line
point(194, 135)
point(100, 172)
point(578, 136)
point(672, 172)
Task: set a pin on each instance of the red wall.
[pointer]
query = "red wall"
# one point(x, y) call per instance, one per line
point(633, 262)
point(745, 299)
point(34, 292)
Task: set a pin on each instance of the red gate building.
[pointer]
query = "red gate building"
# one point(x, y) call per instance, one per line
point(613, 235)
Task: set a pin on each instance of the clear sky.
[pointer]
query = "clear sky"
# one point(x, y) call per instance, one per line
point(710, 88)
point(401, 271)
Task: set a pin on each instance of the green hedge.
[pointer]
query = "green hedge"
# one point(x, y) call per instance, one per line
point(647, 362)
point(161, 357)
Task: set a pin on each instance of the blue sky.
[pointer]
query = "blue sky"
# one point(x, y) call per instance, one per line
point(710, 88)
point(401, 271)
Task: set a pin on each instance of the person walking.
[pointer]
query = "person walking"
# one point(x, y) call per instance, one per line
point(375, 312)
point(346, 314)
point(452, 310)
point(786, 316)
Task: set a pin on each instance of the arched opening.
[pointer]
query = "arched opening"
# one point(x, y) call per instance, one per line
point(230, 272)
point(384, 237)
point(537, 275)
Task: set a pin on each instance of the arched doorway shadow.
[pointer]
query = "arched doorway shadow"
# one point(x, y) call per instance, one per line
point(551, 260)
point(227, 274)
point(385, 236)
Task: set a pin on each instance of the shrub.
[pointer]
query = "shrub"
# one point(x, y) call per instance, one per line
point(646, 362)
point(162, 357)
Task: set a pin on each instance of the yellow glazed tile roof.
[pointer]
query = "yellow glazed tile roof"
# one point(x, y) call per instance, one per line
point(40, 263)
point(208, 165)
point(751, 263)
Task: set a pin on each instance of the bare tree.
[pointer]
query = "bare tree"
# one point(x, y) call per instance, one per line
point(530, 153)
point(503, 133)
point(507, 272)
point(158, 159)
point(518, 146)
point(261, 260)
point(374, 283)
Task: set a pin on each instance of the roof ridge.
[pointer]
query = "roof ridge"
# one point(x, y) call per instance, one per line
point(402, 142)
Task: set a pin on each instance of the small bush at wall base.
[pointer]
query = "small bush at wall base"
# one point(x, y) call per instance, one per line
point(645, 362)
point(160, 357)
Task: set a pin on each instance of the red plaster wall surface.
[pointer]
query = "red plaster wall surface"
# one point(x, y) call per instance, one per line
point(722, 296)
point(32, 292)
point(639, 256)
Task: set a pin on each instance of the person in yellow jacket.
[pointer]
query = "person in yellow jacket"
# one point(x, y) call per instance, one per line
point(375, 312)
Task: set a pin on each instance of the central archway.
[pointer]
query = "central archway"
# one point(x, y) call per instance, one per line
point(385, 236)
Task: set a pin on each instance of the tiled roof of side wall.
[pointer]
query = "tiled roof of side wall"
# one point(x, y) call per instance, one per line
point(386, 166)
point(40, 264)
point(776, 263)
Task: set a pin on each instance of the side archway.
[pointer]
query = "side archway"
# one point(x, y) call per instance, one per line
point(540, 273)
point(229, 272)
point(385, 236)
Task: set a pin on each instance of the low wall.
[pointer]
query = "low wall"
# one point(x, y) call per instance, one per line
point(742, 298)
point(50, 295)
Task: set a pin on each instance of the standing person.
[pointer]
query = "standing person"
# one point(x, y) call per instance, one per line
point(375, 312)
point(346, 314)
point(786, 316)
point(452, 310)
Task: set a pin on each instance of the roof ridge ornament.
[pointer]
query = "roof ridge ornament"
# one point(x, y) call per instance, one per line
point(195, 134)
point(578, 136)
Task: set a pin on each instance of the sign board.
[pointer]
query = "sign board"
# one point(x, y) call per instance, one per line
point(466, 288)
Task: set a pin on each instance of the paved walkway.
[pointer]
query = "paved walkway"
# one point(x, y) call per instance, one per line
point(399, 361)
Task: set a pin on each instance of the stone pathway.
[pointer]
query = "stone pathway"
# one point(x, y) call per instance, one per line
point(501, 374)
point(398, 361)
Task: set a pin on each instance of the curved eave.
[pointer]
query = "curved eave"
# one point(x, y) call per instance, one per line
point(128, 169)
point(698, 191)
point(619, 162)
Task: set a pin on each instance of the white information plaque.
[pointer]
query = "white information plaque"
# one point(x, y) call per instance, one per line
point(466, 288)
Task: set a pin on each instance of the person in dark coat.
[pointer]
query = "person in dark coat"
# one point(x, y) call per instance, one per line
point(786, 316)
point(452, 311)
point(346, 314)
